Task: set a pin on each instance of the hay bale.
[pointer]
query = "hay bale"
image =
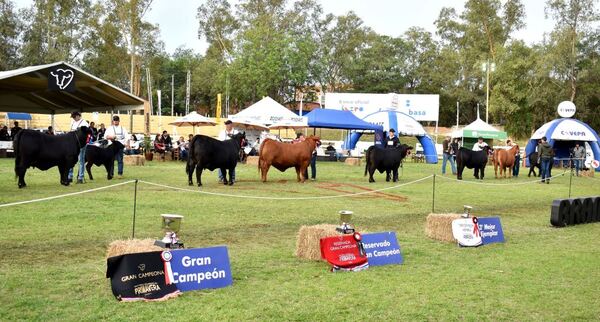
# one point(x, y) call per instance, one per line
point(134, 160)
point(588, 173)
point(352, 161)
point(308, 244)
point(439, 226)
point(252, 160)
point(131, 246)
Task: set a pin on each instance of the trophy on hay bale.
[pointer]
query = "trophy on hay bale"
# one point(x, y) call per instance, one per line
point(171, 224)
point(467, 211)
point(345, 226)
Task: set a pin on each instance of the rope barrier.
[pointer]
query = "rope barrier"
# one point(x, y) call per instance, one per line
point(63, 195)
point(504, 184)
point(283, 198)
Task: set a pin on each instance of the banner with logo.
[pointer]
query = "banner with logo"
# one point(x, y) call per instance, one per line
point(382, 248)
point(422, 107)
point(61, 78)
point(490, 229)
point(198, 268)
point(344, 252)
point(139, 276)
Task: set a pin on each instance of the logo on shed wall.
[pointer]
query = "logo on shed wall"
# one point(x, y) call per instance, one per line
point(61, 79)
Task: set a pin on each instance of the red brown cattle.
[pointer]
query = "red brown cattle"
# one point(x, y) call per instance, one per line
point(284, 155)
point(504, 159)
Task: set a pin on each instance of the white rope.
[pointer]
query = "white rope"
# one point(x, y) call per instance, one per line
point(283, 198)
point(504, 184)
point(63, 195)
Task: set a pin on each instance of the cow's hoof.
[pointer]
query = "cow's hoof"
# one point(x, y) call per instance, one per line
point(371, 181)
point(199, 184)
point(22, 186)
point(231, 183)
point(224, 182)
point(66, 183)
point(190, 183)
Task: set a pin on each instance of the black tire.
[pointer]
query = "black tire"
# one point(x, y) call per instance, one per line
point(559, 212)
point(588, 209)
point(597, 209)
point(576, 211)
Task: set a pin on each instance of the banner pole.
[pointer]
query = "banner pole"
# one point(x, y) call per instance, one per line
point(134, 208)
point(433, 199)
point(570, 177)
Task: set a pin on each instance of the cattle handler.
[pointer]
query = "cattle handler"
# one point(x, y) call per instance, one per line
point(76, 123)
point(116, 132)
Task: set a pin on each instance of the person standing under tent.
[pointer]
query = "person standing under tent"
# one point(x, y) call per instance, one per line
point(116, 132)
point(15, 130)
point(392, 141)
point(224, 135)
point(578, 157)
point(479, 145)
point(448, 156)
point(76, 123)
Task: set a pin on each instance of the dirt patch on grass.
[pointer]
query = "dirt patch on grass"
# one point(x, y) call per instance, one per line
point(351, 188)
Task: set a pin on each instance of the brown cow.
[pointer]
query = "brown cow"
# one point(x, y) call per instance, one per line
point(505, 159)
point(284, 155)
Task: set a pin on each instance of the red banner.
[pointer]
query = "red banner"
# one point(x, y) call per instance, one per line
point(343, 253)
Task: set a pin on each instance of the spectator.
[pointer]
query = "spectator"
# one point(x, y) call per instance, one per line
point(134, 146)
point(479, 145)
point(165, 139)
point(94, 131)
point(4, 136)
point(101, 132)
point(76, 123)
point(15, 130)
point(546, 156)
point(49, 131)
point(158, 145)
point(183, 147)
point(578, 157)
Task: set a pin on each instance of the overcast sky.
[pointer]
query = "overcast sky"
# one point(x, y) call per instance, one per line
point(179, 26)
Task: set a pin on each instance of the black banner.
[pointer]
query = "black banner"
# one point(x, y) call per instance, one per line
point(61, 78)
point(138, 277)
point(568, 212)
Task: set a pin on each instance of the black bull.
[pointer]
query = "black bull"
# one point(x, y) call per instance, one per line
point(209, 153)
point(43, 151)
point(105, 156)
point(385, 159)
point(473, 160)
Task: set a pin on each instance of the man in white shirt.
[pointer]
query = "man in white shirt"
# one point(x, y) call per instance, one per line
point(479, 145)
point(76, 123)
point(226, 134)
point(116, 132)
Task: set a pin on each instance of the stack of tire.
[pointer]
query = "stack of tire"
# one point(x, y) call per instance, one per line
point(569, 212)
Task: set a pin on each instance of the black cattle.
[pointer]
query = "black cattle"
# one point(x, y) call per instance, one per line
point(95, 155)
point(43, 151)
point(209, 153)
point(387, 160)
point(473, 160)
point(534, 163)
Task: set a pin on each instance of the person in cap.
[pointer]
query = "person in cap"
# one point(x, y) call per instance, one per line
point(116, 132)
point(76, 123)
point(448, 155)
point(392, 140)
point(479, 145)
point(224, 135)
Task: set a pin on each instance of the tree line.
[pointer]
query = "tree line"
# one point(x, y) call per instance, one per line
point(280, 48)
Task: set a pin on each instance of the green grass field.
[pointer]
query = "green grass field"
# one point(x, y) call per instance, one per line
point(52, 259)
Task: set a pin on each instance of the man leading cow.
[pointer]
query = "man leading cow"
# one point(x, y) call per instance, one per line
point(116, 132)
point(76, 123)
point(227, 134)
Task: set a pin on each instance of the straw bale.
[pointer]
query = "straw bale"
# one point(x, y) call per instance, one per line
point(588, 173)
point(131, 246)
point(134, 159)
point(439, 226)
point(252, 160)
point(308, 244)
point(352, 161)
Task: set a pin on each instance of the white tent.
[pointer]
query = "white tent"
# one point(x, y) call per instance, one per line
point(479, 128)
point(565, 129)
point(266, 111)
point(402, 123)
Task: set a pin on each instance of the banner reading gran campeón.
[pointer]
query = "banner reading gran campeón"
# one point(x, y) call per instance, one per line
point(422, 107)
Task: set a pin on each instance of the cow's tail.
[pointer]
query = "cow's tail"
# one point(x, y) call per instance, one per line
point(368, 159)
point(16, 148)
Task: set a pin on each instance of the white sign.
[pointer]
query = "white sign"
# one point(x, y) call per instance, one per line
point(595, 164)
point(566, 109)
point(422, 107)
point(466, 232)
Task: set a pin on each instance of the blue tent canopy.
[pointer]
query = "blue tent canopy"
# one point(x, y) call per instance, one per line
point(336, 119)
point(18, 116)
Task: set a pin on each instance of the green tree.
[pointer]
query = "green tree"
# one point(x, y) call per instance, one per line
point(10, 27)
